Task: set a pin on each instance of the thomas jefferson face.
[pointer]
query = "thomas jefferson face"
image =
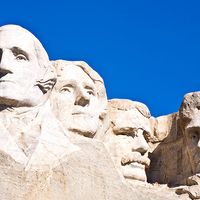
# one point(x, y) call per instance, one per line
point(127, 144)
point(19, 69)
point(76, 101)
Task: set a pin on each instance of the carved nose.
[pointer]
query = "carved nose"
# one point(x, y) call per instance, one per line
point(143, 147)
point(140, 144)
point(1, 53)
point(194, 124)
point(82, 101)
point(4, 65)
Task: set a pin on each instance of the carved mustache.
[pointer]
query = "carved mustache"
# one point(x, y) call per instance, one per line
point(135, 157)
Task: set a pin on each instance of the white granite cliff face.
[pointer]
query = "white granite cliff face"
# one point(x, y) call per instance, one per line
point(60, 138)
point(175, 159)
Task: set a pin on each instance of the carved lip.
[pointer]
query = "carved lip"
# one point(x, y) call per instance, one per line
point(79, 113)
point(3, 80)
point(135, 157)
point(134, 171)
point(135, 165)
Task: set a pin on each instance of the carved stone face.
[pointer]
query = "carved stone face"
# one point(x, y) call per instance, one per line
point(75, 101)
point(190, 124)
point(19, 69)
point(192, 135)
point(126, 142)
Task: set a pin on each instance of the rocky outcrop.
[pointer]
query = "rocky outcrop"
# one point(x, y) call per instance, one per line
point(60, 138)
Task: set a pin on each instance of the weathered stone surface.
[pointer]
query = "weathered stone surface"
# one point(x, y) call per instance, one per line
point(167, 143)
point(176, 155)
point(78, 98)
point(78, 176)
point(189, 117)
point(64, 140)
point(125, 139)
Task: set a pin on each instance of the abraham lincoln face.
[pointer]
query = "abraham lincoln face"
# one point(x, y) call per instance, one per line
point(189, 114)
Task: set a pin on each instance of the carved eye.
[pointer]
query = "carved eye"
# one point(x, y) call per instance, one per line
point(66, 88)
point(194, 136)
point(21, 57)
point(90, 92)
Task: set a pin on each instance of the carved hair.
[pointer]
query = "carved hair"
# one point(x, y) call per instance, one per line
point(125, 104)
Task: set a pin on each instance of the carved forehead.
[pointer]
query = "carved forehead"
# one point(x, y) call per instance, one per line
point(127, 115)
point(60, 65)
point(19, 33)
point(128, 105)
point(73, 72)
point(192, 99)
point(190, 102)
point(14, 40)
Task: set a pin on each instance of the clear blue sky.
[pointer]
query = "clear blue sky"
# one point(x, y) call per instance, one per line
point(148, 51)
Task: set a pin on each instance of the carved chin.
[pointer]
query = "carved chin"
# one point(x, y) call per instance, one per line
point(134, 171)
point(83, 125)
point(17, 96)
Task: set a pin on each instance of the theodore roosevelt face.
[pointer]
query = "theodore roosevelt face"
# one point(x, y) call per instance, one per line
point(127, 141)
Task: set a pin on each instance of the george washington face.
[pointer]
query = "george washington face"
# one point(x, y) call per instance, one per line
point(19, 69)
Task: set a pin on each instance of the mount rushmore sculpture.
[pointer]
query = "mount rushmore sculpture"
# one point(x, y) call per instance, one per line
point(61, 138)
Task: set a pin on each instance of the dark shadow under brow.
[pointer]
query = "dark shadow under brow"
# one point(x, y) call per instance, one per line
point(17, 51)
point(89, 87)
